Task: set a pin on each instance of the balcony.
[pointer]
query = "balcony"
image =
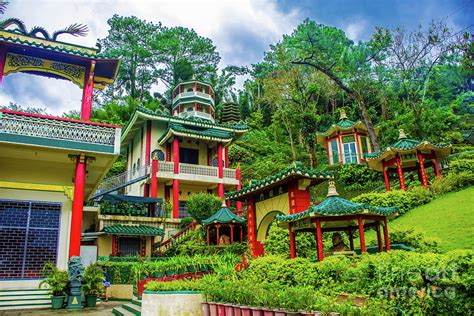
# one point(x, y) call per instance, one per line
point(61, 133)
point(196, 173)
point(192, 96)
point(196, 114)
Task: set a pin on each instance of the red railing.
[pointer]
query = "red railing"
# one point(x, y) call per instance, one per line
point(165, 245)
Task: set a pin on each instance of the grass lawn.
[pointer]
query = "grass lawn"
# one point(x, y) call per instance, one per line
point(449, 219)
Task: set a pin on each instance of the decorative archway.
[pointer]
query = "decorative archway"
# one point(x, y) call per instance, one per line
point(264, 226)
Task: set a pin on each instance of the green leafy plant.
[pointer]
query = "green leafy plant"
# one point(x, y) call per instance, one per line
point(203, 205)
point(93, 280)
point(55, 279)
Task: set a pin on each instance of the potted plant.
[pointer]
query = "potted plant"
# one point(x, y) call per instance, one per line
point(92, 284)
point(57, 281)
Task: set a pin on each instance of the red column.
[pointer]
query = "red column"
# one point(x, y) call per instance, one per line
point(379, 238)
point(77, 207)
point(292, 243)
point(87, 93)
point(3, 56)
point(175, 198)
point(400, 173)
point(241, 233)
point(217, 235)
point(231, 234)
point(351, 239)
point(385, 235)
point(208, 236)
point(387, 180)
point(359, 156)
point(176, 154)
point(220, 186)
point(238, 204)
point(422, 170)
point(114, 245)
point(152, 243)
point(361, 234)
point(435, 165)
point(154, 177)
point(226, 156)
point(319, 240)
point(252, 228)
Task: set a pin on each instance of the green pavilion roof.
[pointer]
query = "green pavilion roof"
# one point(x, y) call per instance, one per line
point(295, 170)
point(206, 133)
point(334, 205)
point(405, 146)
point(133, 230)
point(223, 216)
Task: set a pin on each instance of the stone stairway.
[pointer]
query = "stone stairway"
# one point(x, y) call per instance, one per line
point(129, 309)
point(24, 299)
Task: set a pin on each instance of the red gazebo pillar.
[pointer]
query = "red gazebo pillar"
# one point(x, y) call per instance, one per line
point(422, 169)
point(241, 233)
point(176, 181)
point(385, 234)
point(231, 234)
point(217, 234)
point(319, 240)
point(351, 239)
point(387, 180)
point(292, 243)
point(208, 236)
point(361, 234)
point(400, 173)
point(77, 207)
point(379, 237)
point(436, 167)
point(238, 204)
point(220, 186)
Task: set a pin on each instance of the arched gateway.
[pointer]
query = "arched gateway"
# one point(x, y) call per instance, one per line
point(287, 192)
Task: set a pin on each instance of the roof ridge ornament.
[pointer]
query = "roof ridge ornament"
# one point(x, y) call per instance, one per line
point(332, 189)
point(402, 134)
point(223, 204)
point(343, 115)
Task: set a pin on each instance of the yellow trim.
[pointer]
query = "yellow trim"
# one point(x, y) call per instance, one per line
point(67, 190)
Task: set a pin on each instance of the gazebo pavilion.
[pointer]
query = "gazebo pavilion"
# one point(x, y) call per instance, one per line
point(338, 214)
point(224, 218)
point(408, 155)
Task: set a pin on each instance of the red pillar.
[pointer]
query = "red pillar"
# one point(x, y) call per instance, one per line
point(220, 186)
point(176, 154)
point(361, 234)
point(208, 236)
point(175, 198)
point(241, 233)
point(152, 243)
point(87, 93)
point(3, 56)
point(292, 243)
point(436, 167)
point(77, 207)
point(238, 204)
point(252, 227)
point(231, 234)
point(422, 170)
point(400, 173)
point(387, 180)
point(319, 240)
point(351, 239)
point(217, 235)
point(154, 177)
point(114, 245)
point(379, 238)
point(226, 156)
point(385, 235)
point(358, 149)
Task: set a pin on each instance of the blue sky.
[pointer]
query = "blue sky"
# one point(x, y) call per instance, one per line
point(241, 30)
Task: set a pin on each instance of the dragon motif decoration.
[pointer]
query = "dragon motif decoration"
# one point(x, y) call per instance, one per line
point(75, 269)
point(18, 26)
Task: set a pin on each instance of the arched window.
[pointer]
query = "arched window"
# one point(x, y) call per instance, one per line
point(161, 155)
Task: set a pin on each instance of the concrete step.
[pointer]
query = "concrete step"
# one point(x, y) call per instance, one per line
point(120, 311)
point(135, 309)
point(25, 306)
point(24, 292)
point(24, 297)
point(21, 301)
point(137, 302)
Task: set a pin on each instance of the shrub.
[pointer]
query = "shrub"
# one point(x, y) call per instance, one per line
point(55, 279)
point(203, 205)
point(452, 181)
point(278, 243)
point(185, 222)
point(461, 165)
point(93, 280)
point(354, 176)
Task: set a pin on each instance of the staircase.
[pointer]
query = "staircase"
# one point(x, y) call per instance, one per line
point(121, 180)
point(129, 309)
point(168, 243)
point(24, 299)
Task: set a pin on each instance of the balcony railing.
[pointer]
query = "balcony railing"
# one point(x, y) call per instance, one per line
point(196, 114)
point(197, 170)
point(58, 132)
point(189, 94)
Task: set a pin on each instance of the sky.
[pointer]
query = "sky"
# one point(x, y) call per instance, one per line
point(242, 30)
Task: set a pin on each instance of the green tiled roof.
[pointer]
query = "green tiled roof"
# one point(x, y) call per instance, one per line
point(296, 168)
point(133, 230)
point(223, 216)
point(200, 132)
point(336, 206)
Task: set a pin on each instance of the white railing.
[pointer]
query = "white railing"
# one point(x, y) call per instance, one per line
point(197, 114)
point(122, 178)
point(192, 93)
point(198, 170)
point(166, 166)
point(51, 128)
point(230, 173)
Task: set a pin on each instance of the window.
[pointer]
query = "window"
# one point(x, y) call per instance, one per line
point(363, 142)
point(161, 155)
point(334, 152)
point(183, 209)
point(29, 234)
point(350, 153)
point(129, 246)
point(189, 155)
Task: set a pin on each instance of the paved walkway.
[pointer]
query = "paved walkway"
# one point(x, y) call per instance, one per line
point(103, 309)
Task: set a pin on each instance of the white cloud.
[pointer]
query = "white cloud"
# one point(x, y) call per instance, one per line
point(355, 30)
point(236, 28)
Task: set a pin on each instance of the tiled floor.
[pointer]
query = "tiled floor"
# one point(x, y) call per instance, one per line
point(103, 309)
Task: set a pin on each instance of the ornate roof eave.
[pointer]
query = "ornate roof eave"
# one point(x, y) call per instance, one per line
point(335, 128)
point(193, 81)
point(295, 169)
point(171, 132)
point(223, 216)
point(132, 230)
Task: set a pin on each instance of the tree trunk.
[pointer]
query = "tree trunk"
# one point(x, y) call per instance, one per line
point(369, 124)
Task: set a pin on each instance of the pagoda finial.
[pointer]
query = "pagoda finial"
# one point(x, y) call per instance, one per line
point(223, 203)
point(194, 76)
point(401, 134)
point(332, 189)
point(343, 115)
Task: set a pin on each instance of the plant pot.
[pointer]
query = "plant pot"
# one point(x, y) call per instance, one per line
point(91, 300)
point(212, 308)
point(246, 311)
point(268, 312)
point(237, 310)
point(220, 309)
point(57, 302)
point(229, 310)
point(256, 311)
point(293, 314)
point(279, 312)
point(205, 309)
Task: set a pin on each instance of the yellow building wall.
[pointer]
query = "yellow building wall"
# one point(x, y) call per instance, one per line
point(266, 210)
point(104, 245)
point(64, 231)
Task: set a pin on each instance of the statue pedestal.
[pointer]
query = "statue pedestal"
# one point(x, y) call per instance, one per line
point(74, 300)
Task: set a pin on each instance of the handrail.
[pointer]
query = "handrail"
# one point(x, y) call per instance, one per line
point(191, 226)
